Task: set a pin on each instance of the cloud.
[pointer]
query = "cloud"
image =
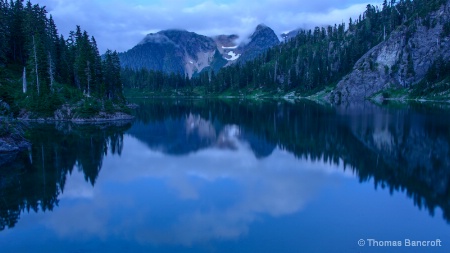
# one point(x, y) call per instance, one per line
point(120, 24)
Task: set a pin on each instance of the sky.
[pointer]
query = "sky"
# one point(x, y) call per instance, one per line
point(121, 24)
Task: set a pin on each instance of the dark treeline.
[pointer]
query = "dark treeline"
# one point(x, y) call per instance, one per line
point(36, 178)
point(53, 69)
point(306, 63)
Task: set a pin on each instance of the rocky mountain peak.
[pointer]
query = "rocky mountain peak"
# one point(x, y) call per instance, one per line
point(263, 30)
point(261, 27)
point(262, 39)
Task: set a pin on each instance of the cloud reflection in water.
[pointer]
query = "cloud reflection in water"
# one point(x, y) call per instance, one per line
point(215, 193)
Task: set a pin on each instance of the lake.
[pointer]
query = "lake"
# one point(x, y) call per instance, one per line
point(233, 176)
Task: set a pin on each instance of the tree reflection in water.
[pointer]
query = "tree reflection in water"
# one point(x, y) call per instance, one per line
point(36, 178)
point(406, 150)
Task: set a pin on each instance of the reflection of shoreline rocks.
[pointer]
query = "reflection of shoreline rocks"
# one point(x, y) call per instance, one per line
point(7, 158)
point(11, 141)
point(101, 117)
point(12, 144)
point(83, 111)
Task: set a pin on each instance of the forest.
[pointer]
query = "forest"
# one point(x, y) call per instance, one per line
point(311, 61)
point(40, 70)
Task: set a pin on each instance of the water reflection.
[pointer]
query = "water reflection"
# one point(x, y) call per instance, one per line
point(209, 197)
point(402, 149)
point(37, 177)
point(191, 171)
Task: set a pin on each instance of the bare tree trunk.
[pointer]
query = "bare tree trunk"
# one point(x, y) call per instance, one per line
point(88, 75)
point(275, 72)
point(24, 80)
point(36, 67)
point(50, 71)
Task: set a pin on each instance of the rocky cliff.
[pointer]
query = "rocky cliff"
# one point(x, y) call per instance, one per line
point(401, 60)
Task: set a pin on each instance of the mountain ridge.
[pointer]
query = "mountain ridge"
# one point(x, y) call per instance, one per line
point(188, 53)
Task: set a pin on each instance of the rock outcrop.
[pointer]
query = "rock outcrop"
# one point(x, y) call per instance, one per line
point(402, 60)
point(11, 140)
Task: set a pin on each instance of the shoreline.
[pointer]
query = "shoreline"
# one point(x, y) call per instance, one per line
point(293, 97)
point(13, 140)
point(90, 120)
point(290, 96)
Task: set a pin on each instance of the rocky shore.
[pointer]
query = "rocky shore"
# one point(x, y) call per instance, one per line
point(11, 135)
point(100, 117)
point(70, 113)
point(12, 130)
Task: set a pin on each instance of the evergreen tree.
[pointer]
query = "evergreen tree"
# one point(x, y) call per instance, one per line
point(16, 19)
point(4, 31)
point(49, 63)
point(112, 80)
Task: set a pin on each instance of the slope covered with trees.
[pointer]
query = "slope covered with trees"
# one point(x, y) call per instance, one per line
point(41, 70)
point(306, 63)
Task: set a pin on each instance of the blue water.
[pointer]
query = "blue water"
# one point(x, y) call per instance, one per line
point(218, 196)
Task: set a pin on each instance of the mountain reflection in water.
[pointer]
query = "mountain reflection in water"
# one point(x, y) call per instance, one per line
point(189, 171)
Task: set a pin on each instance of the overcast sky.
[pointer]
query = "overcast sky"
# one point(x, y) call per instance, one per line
point(121, 24)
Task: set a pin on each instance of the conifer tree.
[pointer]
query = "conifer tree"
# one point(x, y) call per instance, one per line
point(29, 41)
point(4, 33)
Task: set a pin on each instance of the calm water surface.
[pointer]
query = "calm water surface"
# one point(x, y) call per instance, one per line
point(233, 176)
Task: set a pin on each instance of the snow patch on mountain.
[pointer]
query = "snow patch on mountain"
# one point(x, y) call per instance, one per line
point(229, 47)
point(233, 56)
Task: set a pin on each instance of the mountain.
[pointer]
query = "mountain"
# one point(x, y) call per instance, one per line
point(188, 53)
point(171, 51)
point(262, 39)
point(402, 60)
point(400, 50)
